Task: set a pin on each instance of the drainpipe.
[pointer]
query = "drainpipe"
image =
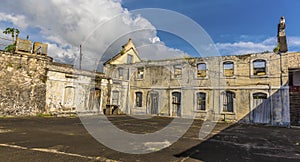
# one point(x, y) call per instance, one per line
point(128, 92)
point(280, 55)
point(271, 103)
point(282, 89)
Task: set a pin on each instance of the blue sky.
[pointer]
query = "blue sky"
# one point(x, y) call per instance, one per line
point(232, 21)
point(236, 27)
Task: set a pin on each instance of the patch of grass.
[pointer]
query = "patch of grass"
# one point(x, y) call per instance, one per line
point(43, 115)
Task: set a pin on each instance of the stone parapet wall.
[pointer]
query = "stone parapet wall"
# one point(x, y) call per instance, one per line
point(22, 83)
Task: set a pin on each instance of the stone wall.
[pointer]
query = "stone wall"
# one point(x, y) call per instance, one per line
point(74, 90)
point(158, 76)
point(22, 83)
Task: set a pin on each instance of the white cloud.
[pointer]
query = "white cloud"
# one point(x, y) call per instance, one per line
point(294, 41)
point(158, 51)
point(60, 54)
point(243, 48)
point(66, 24)
point(18, 20)
point(154, 40)
point(238, 48)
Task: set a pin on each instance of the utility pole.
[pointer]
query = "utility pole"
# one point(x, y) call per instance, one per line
point(80, 59)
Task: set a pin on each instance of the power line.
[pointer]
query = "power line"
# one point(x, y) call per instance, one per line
point(2, 44)
point(6, 38)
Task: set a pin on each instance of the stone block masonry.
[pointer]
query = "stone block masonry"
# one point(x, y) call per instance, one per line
point(22, 83)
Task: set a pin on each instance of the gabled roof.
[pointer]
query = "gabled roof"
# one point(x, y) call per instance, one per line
point(125, 48)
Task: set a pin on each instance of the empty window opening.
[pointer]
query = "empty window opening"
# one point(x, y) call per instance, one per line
point(201, 70)
point(140, 73)
point(259, 67)
point(228, 69)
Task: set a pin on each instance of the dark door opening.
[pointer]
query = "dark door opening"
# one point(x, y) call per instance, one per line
point(176, 104)
point(294, 96)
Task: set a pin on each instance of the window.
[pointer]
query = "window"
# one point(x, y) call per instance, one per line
point(177, 71)
point(228, 69)
point(201, 101)
point(140, 73)
point(129, 59)
point(94, 99)
point(260, 96)
point(69, 96)
point(115, 98)
point(259, 67)
point(139, 99)
point(228, 101)
point(121, 72)
point(128, 74)
point(201, 70)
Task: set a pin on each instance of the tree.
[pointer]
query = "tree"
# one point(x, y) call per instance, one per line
point(14, 34)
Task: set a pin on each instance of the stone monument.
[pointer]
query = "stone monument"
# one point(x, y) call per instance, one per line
point(281, 36)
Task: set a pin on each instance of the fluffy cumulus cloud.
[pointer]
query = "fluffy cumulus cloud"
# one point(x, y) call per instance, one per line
point(246, 47)
point(18, 20)
point(294, 42)
point(96, 24)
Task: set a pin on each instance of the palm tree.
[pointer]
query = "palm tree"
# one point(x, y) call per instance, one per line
point(14, 34)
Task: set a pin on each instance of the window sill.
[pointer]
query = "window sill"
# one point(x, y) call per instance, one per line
point(200, 111)
point(228, 77)
point(201, 78)
point(259, 76)
point(227, 113)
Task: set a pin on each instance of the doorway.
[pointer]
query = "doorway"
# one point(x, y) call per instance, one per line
point(176, 104)
point(261, 109)
point(153, 102)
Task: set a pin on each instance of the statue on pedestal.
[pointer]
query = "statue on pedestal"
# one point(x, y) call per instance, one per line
point(281, 37)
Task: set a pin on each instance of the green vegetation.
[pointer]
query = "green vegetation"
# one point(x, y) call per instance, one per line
point(14, 34)
point(276, 49)
point(43, 115)
point(10, 48)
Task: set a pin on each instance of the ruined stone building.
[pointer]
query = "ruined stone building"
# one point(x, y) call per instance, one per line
point(251, 88)
point(31, 83)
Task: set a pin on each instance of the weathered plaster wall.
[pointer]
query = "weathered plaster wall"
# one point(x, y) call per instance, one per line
point(72, 90)
point(159, 77)
point(22, 83)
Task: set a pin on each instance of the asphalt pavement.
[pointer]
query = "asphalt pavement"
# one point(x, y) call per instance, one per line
point(66, 139)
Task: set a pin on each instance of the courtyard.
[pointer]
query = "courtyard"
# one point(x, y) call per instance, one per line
point(66, 139)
